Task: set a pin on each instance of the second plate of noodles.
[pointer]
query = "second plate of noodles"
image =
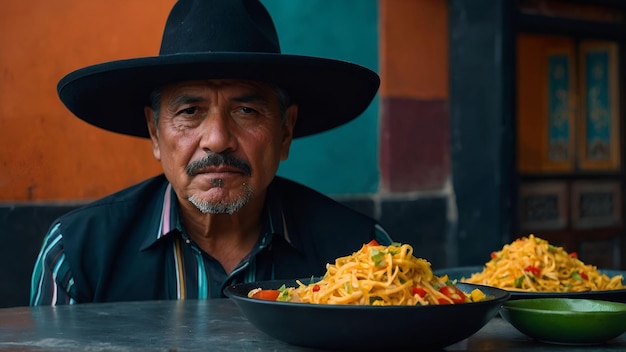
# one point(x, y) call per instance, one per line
point(532, 267)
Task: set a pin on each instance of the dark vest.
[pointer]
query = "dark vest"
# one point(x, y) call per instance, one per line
point(106, 241)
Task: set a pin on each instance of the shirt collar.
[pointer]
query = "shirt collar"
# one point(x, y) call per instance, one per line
point(168, 218)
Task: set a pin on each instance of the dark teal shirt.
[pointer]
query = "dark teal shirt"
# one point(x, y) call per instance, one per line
point(132, 246)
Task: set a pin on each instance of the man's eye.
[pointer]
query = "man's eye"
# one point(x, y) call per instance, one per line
point(247, 110)
point(189, 111)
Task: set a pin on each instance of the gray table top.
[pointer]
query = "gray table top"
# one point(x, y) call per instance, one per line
point(196, 325)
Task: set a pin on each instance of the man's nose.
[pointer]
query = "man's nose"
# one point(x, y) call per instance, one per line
point(217, 132)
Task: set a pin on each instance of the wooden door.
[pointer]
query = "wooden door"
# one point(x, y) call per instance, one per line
point(569, 154)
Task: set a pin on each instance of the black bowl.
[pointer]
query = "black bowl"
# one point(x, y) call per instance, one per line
point(607, 295)
point(350, 327)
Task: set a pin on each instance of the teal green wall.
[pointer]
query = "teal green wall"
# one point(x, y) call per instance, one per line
point(343, 161)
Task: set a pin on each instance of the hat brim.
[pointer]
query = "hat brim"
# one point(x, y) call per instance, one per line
point(112, 95)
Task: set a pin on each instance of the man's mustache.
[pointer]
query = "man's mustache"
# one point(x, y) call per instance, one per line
point(218, 159)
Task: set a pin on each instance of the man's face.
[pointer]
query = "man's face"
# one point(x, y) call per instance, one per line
point(220, 141)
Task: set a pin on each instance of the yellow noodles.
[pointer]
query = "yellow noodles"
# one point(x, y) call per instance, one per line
point(532, 264)
point(378, 275)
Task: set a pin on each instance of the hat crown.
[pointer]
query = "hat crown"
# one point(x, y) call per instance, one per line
point(219, 26)
point(219, 39)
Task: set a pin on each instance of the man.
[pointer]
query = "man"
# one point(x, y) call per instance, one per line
point(221, 106)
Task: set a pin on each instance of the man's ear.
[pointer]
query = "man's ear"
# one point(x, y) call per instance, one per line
point(153, 130)
point(291, 116)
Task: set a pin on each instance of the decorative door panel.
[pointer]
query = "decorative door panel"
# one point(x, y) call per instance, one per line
point(569, 145)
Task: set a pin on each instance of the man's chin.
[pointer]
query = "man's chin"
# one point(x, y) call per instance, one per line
point(207, 207)
point(218, 200)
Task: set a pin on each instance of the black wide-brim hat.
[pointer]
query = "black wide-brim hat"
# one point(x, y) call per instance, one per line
point(219, 39)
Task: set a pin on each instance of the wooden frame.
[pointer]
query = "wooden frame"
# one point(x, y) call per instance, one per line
point(596, 204)
point(599, 137)
point(543, 206)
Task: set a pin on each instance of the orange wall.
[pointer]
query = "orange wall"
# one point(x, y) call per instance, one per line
point(414, 48)
point(46, 153)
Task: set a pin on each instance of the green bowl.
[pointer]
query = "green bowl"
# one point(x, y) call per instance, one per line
point(566, 320)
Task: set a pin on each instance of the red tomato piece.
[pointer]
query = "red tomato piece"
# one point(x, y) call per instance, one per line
point(533, 269)
point(454, 293)
point(573, 255)
point(316, 288)
point(270, 295)
point(418, 291)
point(584, 275)
point(373, 242)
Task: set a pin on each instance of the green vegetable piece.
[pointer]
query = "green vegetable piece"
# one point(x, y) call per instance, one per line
point(284, 294)
point(374, 299)
point(377, 257)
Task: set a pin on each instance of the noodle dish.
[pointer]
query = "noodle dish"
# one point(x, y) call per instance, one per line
point(375, 275)
point(533, 267)
point(375, 291)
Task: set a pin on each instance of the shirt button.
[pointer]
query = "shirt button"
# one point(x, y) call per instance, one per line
point(187, 241)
